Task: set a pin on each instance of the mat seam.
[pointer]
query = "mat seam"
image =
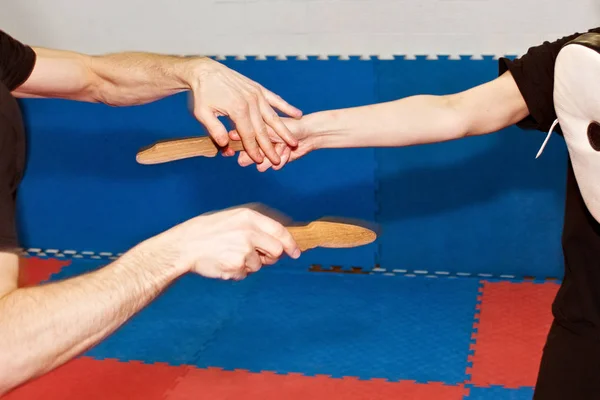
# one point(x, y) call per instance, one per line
point(361, 57)
point(198, 354)
point(474, 332)
point(376, 270)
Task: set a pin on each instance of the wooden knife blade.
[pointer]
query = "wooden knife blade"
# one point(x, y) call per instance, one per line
point(169, 150)
point(331, 235)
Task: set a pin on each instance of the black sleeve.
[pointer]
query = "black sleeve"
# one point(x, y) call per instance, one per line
point(11, 151)
point(8, 229)
point(16, 61)
point(534, 75)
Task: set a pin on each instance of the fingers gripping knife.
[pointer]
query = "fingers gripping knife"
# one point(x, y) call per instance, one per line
point(577, 106)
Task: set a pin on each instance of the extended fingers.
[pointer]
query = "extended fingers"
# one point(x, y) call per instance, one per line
point(259, 125)
point(262, 134)
point(282, 105)
point(282, 150)
point(284, 155)
point(243, 119)
point(275, 123)
point(250, 118)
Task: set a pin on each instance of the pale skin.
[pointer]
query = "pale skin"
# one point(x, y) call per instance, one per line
point(44, 326)
point(414, 120)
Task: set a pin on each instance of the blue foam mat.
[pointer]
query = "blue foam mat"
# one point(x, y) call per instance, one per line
point(312, 323)
point(477, 205)
point(83, 189)
point(176, 326)
point(481, 205)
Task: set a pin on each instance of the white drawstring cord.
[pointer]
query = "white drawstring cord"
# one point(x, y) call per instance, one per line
point(547, 138)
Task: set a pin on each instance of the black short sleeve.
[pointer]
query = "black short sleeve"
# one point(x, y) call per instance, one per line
point(16, 61)
point(16, 64)
point(534, 75)
point(12, 153)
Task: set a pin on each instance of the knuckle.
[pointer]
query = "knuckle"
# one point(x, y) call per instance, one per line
point(198, 114)
point(272, 117)
point(263, 130)
point(243, 213)
point(225, 276)
point(240, 107)
point(247, 213)
point(278, 250)
point(270, 113)
point(251, 96)
point(282, 232)
point(255, 89)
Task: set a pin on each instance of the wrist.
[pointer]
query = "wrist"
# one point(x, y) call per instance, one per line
point(326, 128)
point(159, 256)
point(192, 70)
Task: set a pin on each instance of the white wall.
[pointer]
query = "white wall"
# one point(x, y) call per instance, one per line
point(297, 27)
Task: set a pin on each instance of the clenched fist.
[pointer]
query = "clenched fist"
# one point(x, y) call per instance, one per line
point(229, 244)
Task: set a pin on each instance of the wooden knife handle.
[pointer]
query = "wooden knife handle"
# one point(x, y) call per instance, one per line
point(307, 237)
point(177, 149)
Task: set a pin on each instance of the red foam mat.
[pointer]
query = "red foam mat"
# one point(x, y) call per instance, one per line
point(213, 383)
point(33, 271)
point(111, 379)
point(86, 378)
point(514, 319)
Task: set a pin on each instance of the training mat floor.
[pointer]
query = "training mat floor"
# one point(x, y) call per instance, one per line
point(306, 334)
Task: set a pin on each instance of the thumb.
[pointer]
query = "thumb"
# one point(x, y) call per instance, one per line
point(234, 135)
point(215, 128)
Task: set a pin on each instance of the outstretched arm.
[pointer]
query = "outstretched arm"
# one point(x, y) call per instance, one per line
point(423, 119)
point(135, 78)
point(413, 120)
point(120, 79)
point(42, 327)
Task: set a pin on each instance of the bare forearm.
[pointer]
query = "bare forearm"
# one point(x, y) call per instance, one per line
point(422, 119)
point(43, 327)
point(409, 121)
point(120, 79)
point(134, 78)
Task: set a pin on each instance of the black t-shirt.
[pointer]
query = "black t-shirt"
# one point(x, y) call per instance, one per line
point(16, 64)
point(577, 305)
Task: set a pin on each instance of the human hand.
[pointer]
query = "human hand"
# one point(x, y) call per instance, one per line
point(220, 91)
point(228, 244)
point(307, 142)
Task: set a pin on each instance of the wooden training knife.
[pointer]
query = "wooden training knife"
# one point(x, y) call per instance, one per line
point(169, 150)
point(333, 235)
point(321, 233)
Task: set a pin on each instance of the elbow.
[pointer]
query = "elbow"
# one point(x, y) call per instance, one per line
point(457, 121)
point(94, 88)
